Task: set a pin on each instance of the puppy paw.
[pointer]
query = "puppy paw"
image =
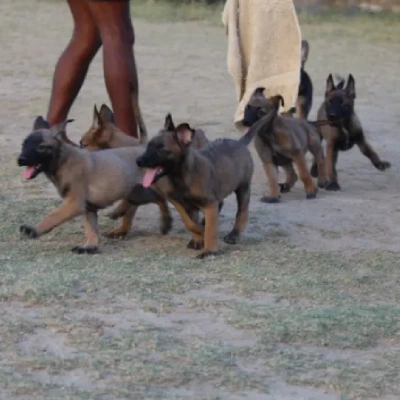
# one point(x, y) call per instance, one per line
point(28, 231)
point(284, 187)
point(332, 186)
point(322, 184)
point(166, 225)
point(312, 195)
point(207, 253)
point(314, 171)
point(232, 237)
point(382, 165)
point(270, 200)
point(85, 250)
point(194, 245)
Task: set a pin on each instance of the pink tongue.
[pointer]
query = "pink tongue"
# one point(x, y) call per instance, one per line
point(28, 172)
point(149, 176)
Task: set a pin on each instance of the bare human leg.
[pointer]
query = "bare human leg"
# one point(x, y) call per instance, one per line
point(72, 66)
point(114, 24)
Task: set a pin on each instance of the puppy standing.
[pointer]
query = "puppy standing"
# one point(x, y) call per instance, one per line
point(103, 134)
point(282, 140)
point(305, 95)
point(86, 181)
point(344, 129)
point(203, 178)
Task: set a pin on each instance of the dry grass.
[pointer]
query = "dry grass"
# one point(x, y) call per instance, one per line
point(273, 318)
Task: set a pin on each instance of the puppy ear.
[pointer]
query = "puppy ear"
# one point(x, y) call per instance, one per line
point(278, 101)
point(330, 85)
point(96, 117)
point(259, 91)
point(106, 115)
point(305, 49)
point(169, 123)
point(40, 123)
point(351, 87)
point(59, 130)
point(184, 134)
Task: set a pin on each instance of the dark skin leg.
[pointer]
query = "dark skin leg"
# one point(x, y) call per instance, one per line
point(113, 21)
point(73, 65)
point(97, 23)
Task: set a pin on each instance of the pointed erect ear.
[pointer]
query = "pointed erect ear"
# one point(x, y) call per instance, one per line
point(59, 130)
point(169, 123)
point(305, 49)
point(40, 123)
point(184, 134)
point(96, 117)
point(330, 85)
point(278, 101)
point(351, 87)
point(106, 115)
point(259, 91)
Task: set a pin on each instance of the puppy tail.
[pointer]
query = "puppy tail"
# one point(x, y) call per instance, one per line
point(261, 124)
point(139, 117)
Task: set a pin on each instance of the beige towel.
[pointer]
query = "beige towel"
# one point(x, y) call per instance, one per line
point(264, 44)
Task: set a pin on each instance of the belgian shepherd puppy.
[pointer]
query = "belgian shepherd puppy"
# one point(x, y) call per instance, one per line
point(344, 129)
point(203, 178)
point(86, 181)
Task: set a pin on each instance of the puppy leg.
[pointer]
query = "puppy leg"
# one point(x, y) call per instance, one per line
point(271, 171)
point(291, 178)
point(242, 214)
point(317, 151)
point(272, 175)
point(192, 226)
point(331, 160)
point(142, 196)
point(369, 152)
point(126, 223)
point(211, 232)
point(119, 210)
point(309, 186)
point(220, 205)
point(91, 232)
point(69, 209)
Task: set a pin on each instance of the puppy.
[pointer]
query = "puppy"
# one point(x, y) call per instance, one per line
point(305, 95)
point(203, 179)
point(282, 140)
point(103, 134)
point(86, 181)
point(344, 129)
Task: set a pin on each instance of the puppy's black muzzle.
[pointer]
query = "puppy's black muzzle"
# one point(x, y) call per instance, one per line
point(22, 161)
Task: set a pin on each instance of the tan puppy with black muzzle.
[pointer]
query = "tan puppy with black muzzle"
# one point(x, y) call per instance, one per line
point(86, 181)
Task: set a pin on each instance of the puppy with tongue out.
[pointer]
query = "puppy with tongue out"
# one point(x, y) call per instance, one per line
point(86, 181)
point(201, 179)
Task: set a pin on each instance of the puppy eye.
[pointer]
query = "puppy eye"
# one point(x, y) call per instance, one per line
point(43, 147)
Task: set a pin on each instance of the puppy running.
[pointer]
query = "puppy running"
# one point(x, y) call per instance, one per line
point(203, 179)
point(344, 129)
point(86, 181)
point(282, 140)
point(103, 134)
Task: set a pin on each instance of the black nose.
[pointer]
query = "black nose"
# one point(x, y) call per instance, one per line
point(140, 162)
point(21, 161)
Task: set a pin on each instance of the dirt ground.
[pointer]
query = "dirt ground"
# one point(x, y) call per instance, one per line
point(305, 308)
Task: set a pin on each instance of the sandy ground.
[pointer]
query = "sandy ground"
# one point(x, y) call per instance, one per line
point(182, 70)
